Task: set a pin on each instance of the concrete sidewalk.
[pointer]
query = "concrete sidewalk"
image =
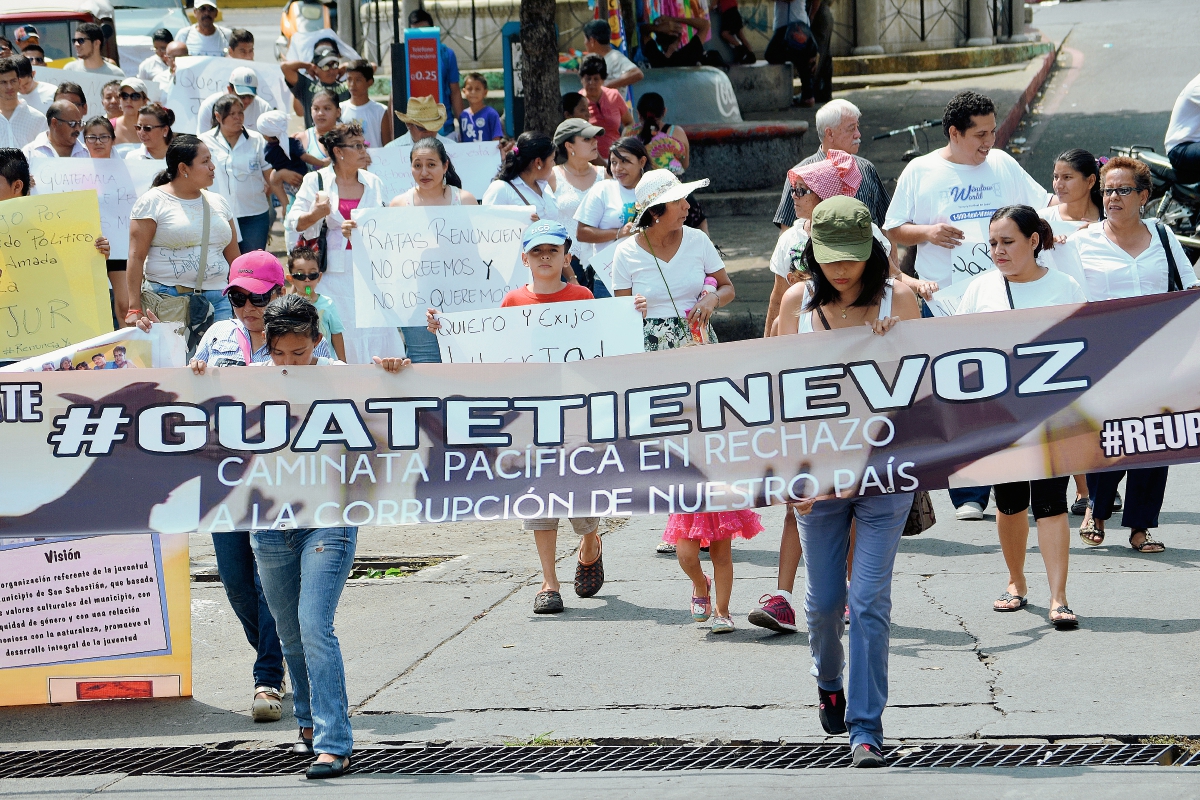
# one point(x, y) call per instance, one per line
point(454, 653)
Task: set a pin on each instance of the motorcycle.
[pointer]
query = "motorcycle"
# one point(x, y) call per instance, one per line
point(1176, 204)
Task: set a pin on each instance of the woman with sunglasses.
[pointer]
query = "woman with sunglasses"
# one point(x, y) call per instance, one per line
point(166, 231)
point(133, 95)
point(1124, 255)
point(154, 131)
point(243, 173)
point(321, 214)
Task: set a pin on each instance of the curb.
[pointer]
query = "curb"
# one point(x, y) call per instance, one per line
point(1017, 112)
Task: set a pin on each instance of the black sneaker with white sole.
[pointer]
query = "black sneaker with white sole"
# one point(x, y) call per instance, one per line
point(832, 707)
point(867, 756)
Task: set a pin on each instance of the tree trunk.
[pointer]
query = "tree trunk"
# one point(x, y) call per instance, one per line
point(539, 66)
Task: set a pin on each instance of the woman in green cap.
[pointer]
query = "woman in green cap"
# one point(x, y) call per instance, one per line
point(849, 287)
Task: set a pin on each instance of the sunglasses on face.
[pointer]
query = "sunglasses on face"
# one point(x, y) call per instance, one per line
point(1124, 191)
point(359, 147)
point(310, 276)
point(70, 123)
point(97, 139)
point(80, 40)
point(238, 299)
point(131, 95)
point(147, 128)
point(800, 191)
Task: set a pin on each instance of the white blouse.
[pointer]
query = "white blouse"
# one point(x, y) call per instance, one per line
point(1107, 272)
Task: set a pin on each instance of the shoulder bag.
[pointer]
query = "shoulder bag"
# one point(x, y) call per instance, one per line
point(320, 244)
point(193, 312)
point(921, 518)
point(1174, 282)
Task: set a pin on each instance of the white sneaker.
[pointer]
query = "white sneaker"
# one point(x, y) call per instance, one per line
point(969, 511)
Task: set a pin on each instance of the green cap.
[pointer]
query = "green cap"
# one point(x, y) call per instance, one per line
point(841, 230)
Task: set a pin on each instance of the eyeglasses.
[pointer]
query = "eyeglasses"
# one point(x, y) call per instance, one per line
point(73, 124)
point(132, 95)
point(147, 128)
point(311, 276)
point(800, 191)
point(238, 299)
point(359, 147)
point(1124, 191)
point(80, 40)
point(96, 139)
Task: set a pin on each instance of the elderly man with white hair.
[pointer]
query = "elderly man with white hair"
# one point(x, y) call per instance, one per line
point(837, 128)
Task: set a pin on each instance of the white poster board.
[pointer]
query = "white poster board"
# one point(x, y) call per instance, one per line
point(548, 333)
point(453, 258)
point(974, 256)
point(196, 77)
point(475, 162)
point(118, 184)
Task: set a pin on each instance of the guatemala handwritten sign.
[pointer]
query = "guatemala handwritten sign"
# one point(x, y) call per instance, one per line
point(53, 284)
point(118, 185)
point(196, 77)
point(475, 162)
point(553, 333)
point(958, 401)
point(452, 258)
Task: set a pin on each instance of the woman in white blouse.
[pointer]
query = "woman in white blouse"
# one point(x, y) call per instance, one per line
point(1126, 256)
point(243, 174)
point(330, 195)
point(572, 179)
point(523, 179)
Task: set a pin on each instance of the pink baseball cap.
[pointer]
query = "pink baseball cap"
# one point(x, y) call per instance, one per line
point(258, 272)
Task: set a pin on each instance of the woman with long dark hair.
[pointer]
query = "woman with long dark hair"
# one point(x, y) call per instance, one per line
point(435, 181)
point(524, 177)
point(243, 173)
point(1018, 235)
point(849, 287)
point(666, 144)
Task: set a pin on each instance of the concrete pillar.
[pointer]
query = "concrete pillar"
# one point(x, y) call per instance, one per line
point(980, 13)
point(1019, 12)
point(867, 23)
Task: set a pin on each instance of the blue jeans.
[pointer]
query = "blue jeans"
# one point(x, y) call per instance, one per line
point(235, 565)
point(220, 303)
point(970, 494)
point(825, 536)
point(303, 572)
point(420, 345)
point(255, 232)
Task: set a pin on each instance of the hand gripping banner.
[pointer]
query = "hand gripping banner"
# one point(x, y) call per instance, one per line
point(958, 401)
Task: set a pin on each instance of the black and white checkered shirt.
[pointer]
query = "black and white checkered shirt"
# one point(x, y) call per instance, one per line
point(870, 192)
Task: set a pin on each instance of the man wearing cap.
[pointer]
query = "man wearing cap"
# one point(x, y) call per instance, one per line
point(88, 40)
point(243, 82)
point(597, 38)
point(19, 124)
point(26, 35)
point(154, 67)
point(425, 118)
point(38, 94)
point(326, 70)
point(205, 37)
point(61, 140)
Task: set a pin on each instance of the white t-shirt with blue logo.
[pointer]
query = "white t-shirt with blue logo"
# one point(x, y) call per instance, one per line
point(932, 190)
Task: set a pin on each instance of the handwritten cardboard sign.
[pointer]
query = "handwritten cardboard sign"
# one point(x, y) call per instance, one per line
point(196, 77)
point(118, 185)
point(452, 258)
point(53, 286)
point(475, 162)
point(551, 333)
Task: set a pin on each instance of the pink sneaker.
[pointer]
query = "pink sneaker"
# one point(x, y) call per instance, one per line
point(776, 614)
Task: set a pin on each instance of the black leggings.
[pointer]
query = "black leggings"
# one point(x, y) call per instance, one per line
point(1048, 497)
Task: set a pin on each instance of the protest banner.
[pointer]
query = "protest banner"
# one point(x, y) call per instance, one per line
point(94, 618)
point(118, 184)
point(553, 333)
point(196, 77)
point(91, 83)
point(53, 285)
point(475, 162)
point(452, 258)
point(958, 401)
point(159, 347)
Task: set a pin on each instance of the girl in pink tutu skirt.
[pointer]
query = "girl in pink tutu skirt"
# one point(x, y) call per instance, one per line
point(715, 530)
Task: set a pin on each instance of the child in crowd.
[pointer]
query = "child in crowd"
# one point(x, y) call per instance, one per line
point(479, 122)
point(304, 276)
point(733, 31)
point(110, 98)
point(374, 117)
point(545, 250)
point(285, 155)
point(575, 106)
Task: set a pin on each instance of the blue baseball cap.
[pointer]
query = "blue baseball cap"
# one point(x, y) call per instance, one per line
point(544, 231)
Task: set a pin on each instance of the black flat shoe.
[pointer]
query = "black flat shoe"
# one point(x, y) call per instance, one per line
point(832, 708)
point(1079, 507)
point(303, 746)
point(548, 603)
point(319, 770)
point(589, 578)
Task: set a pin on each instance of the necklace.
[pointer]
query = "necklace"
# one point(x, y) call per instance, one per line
point(586, 172)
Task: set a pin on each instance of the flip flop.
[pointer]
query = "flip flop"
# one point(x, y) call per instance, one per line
point(1008, 597)
point(1064, 624)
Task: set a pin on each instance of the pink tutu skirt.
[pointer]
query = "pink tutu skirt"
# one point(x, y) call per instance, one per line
point(713, 526)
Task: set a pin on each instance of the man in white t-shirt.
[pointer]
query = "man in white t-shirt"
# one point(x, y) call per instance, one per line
point(943, 203)
point(597, 38)
point(38, 94)
point(205, 37)
point(155, 67)
point(88, 41)
point(1183, 133)
point(19, 124)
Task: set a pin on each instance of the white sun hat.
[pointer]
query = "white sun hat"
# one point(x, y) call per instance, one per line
point(660, 186)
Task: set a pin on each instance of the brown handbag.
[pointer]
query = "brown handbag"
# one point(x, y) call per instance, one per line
point(921, 518)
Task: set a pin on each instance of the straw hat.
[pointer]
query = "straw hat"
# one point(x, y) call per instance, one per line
point(425, 112)
point(660, 186)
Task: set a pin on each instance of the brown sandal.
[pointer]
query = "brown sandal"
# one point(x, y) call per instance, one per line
point(590, 577)
point(1149, 545)
point(1090, 535)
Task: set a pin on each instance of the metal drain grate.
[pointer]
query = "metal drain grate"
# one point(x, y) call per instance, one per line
point(206, 761)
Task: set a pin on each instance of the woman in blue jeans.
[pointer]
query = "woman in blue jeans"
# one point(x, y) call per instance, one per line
point(849, 288)
point(303, 571)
